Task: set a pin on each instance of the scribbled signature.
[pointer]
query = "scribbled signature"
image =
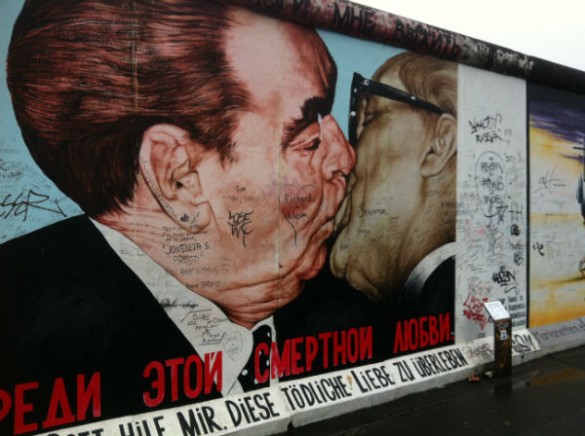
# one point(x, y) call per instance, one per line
point(489, 137)
point(167, 304)
point(549, 181)
point(488, 122)
point(500, 214)
point(19, 206)
point(489, 129)
point(506, 280)
point(539, 248)
point(205, 325)
point(239, 222)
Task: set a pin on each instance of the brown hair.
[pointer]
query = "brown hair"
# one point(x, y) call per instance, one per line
point(88, 77)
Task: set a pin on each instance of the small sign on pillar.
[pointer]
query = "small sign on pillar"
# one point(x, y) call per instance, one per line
point(502, 338)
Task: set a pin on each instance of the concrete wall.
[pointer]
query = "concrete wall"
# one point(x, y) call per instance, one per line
point(183, 203)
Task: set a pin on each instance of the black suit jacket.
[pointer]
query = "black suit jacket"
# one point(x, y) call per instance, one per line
point(69, 305)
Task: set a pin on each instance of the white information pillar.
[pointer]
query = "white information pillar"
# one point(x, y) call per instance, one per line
point(502, 338)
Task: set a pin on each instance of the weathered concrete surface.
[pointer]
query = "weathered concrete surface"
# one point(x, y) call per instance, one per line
point(542, 397)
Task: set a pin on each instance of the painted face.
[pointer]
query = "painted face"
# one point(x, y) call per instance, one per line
point(384, 194)
point(276, 197)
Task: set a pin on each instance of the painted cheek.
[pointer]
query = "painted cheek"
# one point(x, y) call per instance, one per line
point(299, 204)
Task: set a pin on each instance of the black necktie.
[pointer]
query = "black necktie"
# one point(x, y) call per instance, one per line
point(262, 334)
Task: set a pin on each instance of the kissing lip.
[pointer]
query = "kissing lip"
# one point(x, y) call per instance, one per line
point(342, 216)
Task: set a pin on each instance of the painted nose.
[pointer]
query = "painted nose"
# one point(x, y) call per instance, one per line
point(340, 155)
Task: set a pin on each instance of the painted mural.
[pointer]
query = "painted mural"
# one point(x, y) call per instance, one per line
point(213, 219)
point(557, 234)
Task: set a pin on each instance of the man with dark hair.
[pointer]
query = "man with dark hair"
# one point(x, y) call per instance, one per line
point(87, 78)
point(397, 224)
point(199, 141)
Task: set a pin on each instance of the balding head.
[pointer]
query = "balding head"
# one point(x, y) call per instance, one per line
point(402, 192)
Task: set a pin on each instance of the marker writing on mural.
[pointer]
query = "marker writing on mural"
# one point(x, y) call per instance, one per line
point(239, 222)
point(6, 172)
point(425, 38)
point(167, 303)
point(539, 248)
point(364, 212)
point(20, 205)
point(489, 129)
point(352, 18)
point(489, 122)
point(499, 213)
point(505, 279)
point(582, 267)
point(474, 310)
point(515, 212)
point(518, 258)
point(549, 181)
point(490, 183)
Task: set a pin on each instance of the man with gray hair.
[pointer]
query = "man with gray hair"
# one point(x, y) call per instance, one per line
point(396, 227)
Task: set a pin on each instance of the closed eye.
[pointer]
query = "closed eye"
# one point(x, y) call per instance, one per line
point(314, 145)
point(368, 118)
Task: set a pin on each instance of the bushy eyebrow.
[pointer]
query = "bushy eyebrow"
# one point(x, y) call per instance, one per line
point(310, 110)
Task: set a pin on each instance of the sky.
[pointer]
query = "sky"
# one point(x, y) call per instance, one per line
point(552, 30)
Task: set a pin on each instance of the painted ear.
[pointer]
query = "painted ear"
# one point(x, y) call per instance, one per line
point(168, 162)
point(442, 146)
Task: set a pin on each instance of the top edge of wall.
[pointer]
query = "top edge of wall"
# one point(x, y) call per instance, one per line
point(372, 24)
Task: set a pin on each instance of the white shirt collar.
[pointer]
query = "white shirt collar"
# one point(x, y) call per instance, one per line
point(202, 322)
point(419, 275)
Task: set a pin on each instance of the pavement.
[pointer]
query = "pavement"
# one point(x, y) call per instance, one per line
point(542, 397)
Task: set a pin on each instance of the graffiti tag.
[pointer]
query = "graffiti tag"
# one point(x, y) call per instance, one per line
point(549, 181)
point(489, 129)
point(20, 205)
point(474, 310)
point(239, 222)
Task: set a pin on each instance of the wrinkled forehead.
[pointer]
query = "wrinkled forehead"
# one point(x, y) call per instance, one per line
point(266, 53)
point(309, 47)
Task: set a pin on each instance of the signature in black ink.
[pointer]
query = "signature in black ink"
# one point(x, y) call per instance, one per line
point(363, 212)
point(202, 322)
point(6, 172)
point(549, 181)
point(491, 166)
point(489, 137)
point(515, 213)
point(167, 303)
point(486, 123)
point(539, 248)
point(506, 280)
point(499, 213)
point(239, 222)
point(493, 185)
point(518, 258)
point(503, 277)
point(489, 129)
point(19, 206)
